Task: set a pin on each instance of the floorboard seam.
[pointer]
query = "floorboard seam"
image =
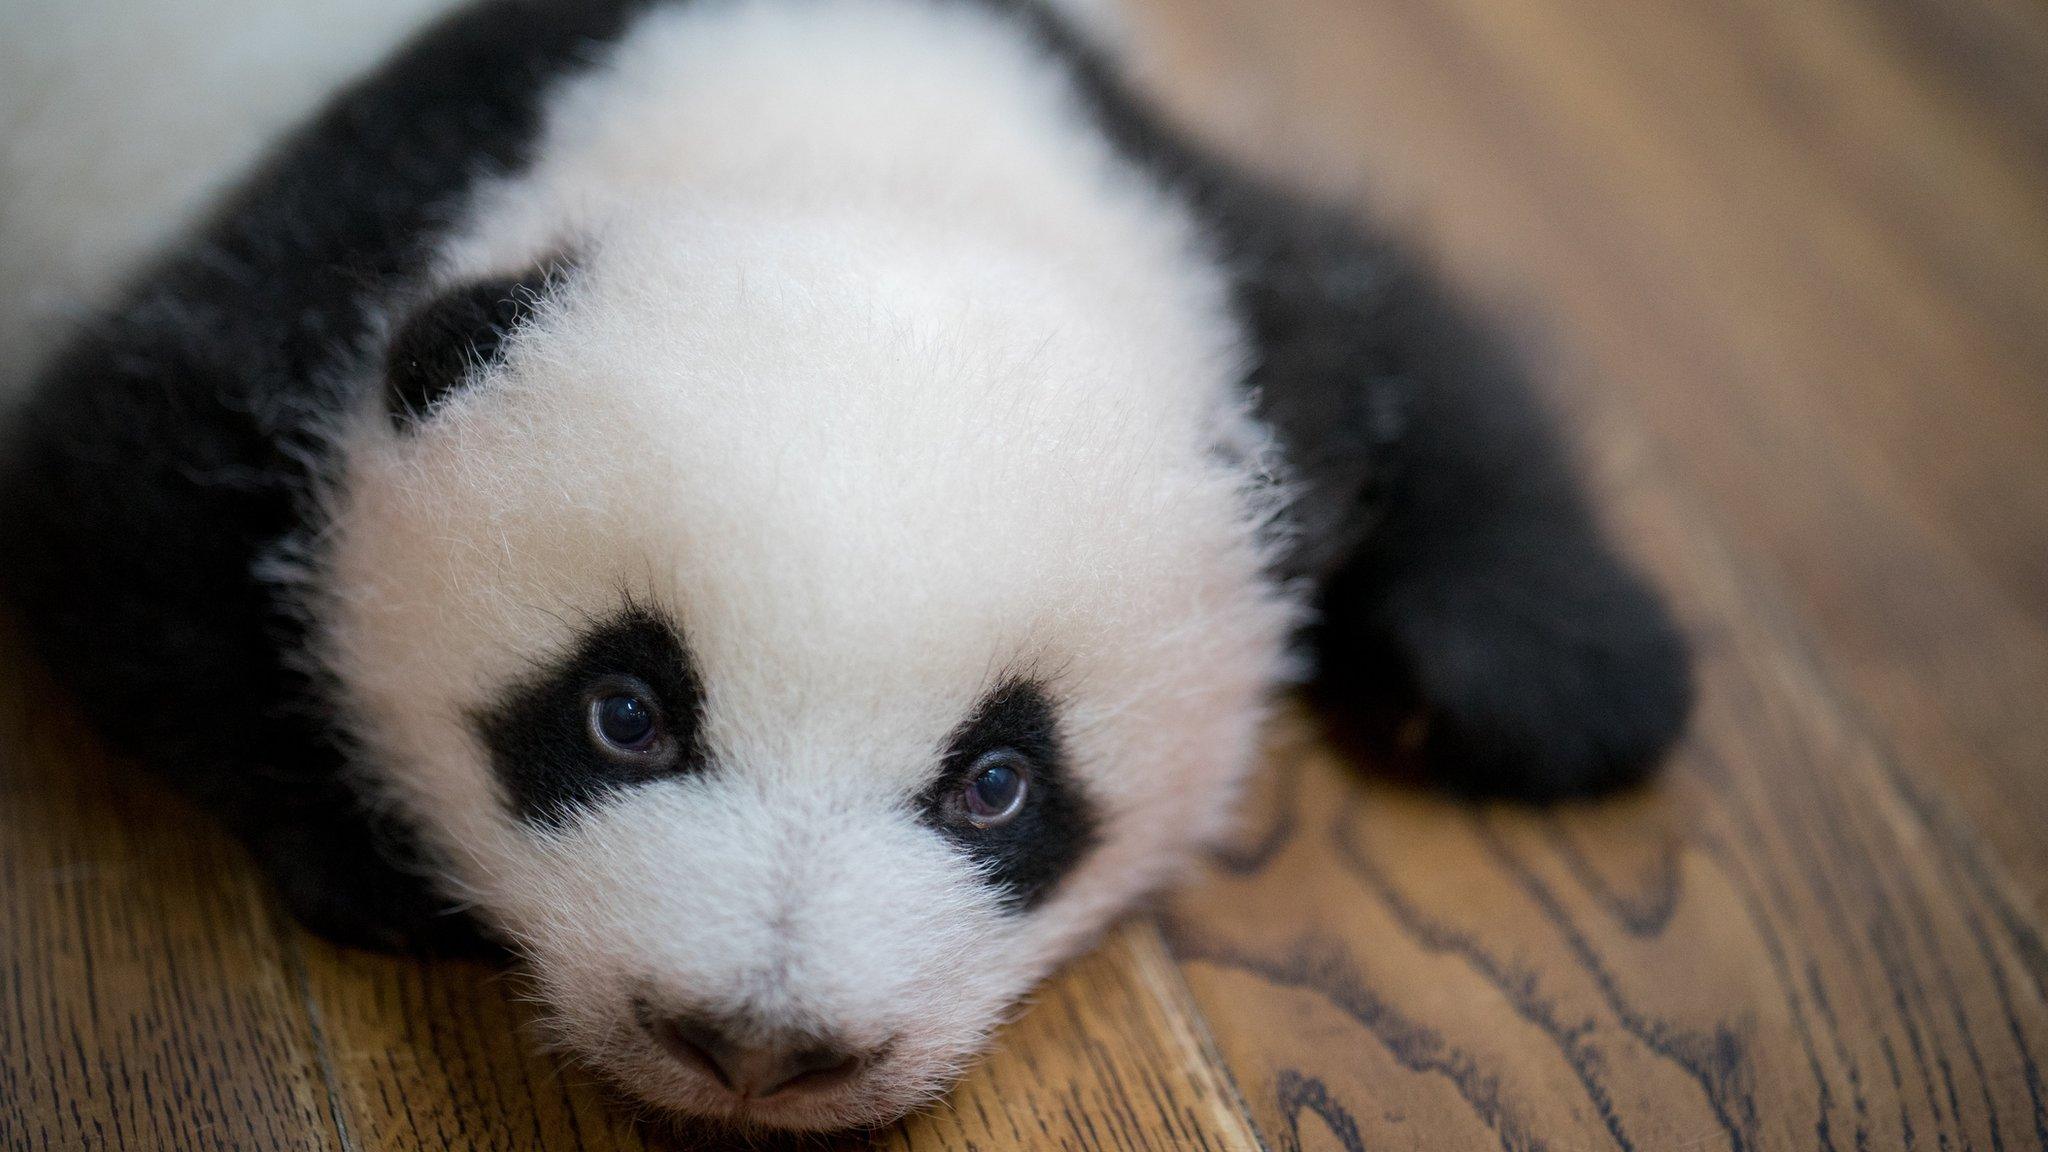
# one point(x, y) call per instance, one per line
point(292, 949)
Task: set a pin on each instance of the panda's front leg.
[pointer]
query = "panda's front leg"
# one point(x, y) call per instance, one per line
point(347, 877)
point(1460, 572)
point(1535, 662)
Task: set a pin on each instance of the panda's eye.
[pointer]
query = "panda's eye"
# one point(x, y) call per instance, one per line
point(625, 719)
point(996, 788)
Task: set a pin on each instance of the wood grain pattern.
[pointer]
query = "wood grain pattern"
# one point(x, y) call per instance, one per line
point(444, 1056)
point(1786, 262)
point(147, 1001)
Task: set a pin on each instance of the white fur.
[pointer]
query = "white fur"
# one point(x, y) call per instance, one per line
point(888, 379)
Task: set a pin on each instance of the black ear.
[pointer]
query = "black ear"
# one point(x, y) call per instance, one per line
point(448, 340)
point(1461, 573)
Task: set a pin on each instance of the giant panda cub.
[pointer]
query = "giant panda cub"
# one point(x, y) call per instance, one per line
point(789, 514)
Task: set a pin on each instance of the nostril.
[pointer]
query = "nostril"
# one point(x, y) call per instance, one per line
point(811, 1069)
point(698, 1045)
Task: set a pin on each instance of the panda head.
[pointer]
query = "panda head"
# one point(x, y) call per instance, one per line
point(797, 636)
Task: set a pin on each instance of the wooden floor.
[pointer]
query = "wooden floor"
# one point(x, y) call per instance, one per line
point(1786, 263)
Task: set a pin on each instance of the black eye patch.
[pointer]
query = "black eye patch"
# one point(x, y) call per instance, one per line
point(440, 347)
point(1024, 858)
point(544, 734)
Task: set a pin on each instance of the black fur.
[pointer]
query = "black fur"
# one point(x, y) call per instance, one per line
point(1024, 859)
point(1459, 569)
point(453, 337)
point(163, 454)
point(539, 732)
point(1461, 572)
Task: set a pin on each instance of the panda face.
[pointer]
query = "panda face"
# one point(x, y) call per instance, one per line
point(798, 639)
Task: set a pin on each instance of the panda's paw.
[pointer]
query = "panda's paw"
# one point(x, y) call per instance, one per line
point(1554, 672)
point(1538, 692)
point(339, 889)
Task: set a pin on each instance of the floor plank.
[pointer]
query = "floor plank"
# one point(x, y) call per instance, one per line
point(1113, 1055)
point(443, 1056)
point(145, 996)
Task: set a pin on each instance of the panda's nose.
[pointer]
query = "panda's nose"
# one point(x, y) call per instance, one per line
point(755, 1065)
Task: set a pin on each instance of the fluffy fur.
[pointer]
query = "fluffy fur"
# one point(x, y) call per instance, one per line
point(892, 355)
